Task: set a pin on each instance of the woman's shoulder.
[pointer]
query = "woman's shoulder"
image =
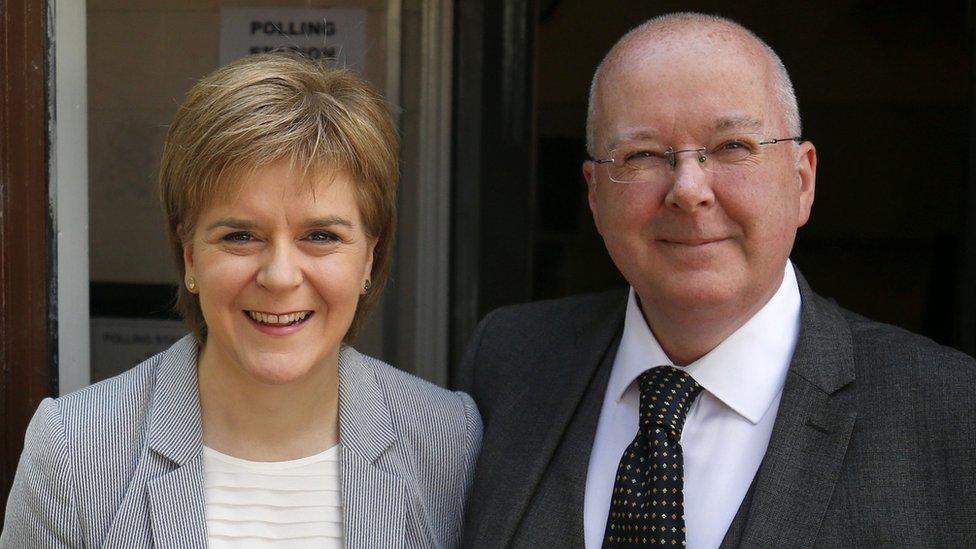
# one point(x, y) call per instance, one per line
point(414, 403)
point(404, 387)
point(130, 388)
point(120, 402)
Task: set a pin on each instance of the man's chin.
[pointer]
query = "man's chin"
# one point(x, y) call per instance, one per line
point(696, 293)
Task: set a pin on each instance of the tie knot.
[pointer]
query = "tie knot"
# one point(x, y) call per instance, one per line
point(666, 395)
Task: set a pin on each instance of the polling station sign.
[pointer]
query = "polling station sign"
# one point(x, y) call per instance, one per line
point(338, 34)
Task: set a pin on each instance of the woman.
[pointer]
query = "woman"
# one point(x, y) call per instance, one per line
point(261, 428)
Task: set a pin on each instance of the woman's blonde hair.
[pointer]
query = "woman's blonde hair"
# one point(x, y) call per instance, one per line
point(268, 108)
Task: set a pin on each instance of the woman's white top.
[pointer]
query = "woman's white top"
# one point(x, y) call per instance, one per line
point(295, 503)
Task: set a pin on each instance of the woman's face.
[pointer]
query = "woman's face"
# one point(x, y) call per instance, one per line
point(279, 268)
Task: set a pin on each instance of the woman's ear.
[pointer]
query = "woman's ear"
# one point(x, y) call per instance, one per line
point(187, 251)
point(368, 267)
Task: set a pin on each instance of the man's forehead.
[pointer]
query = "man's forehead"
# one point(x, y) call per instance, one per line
point(664, 51)
point(730, 81)
point(741, 123)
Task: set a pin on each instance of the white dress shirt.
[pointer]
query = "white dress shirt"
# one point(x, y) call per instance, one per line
point(727, 428)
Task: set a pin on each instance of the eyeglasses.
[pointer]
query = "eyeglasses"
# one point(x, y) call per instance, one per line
point(644, 162)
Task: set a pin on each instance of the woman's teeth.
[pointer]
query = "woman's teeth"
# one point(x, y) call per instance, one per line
point(278, 320)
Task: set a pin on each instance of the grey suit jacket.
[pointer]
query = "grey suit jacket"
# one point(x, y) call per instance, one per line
point(874, 443)
point(118, 464)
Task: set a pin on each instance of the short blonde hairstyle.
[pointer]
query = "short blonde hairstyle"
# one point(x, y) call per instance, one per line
point(267, 108)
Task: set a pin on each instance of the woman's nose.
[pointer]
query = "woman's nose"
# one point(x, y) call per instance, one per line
point(280, 270)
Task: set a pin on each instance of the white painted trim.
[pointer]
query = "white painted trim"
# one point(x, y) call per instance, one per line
point(69, 192)
point(431, 315)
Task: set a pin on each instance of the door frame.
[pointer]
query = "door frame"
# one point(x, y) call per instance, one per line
point(27, 326)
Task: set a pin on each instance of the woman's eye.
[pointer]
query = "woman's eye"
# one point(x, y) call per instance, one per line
point(322, 236)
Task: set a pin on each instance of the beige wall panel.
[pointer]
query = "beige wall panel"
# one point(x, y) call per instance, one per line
point(141, 63)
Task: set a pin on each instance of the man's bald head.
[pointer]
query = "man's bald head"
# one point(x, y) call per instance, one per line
point(678, 28)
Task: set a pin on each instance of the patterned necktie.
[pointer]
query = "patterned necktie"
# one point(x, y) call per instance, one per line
point(647, 506)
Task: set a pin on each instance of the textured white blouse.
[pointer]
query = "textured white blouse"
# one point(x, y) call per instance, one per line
point(251, 504)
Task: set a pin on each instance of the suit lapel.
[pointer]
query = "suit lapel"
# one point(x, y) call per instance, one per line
point(174, 470)
point(565, 372)
point(793, 487)
point(554, 517)
point(375, 497)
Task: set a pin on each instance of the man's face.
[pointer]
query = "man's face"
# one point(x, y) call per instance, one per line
point(699, 241)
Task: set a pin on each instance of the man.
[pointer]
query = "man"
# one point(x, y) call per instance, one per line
point(720, 402)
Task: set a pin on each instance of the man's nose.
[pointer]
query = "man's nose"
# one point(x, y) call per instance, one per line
point(280, 269)
point(691, 186)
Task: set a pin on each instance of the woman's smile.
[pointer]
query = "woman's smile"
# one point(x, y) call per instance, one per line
point(279, 324)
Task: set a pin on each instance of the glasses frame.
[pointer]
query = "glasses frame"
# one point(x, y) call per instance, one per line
point(672, 155)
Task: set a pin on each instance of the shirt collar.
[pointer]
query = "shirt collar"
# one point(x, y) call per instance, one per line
point(746, 371)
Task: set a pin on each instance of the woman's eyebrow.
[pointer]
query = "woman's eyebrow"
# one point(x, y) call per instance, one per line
point(232, 223)
point(327, 221)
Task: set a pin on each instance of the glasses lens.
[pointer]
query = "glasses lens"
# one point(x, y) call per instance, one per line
point(731, 152)
point(638, 163)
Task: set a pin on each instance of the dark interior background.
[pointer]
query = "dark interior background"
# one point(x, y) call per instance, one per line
point(885, 91)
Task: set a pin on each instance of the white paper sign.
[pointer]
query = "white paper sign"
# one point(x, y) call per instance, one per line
point(338, 34)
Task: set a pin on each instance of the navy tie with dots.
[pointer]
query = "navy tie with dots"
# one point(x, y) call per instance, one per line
point(647, 505)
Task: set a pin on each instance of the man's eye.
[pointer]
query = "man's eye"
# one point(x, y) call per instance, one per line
point(733, 150)
point(735, 145)
point(239, 237)
point(643, 155)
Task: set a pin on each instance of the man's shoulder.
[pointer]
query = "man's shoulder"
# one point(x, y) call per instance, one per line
point(554, 313)
point(909, 375)
point(517, 341)
point(877, 345)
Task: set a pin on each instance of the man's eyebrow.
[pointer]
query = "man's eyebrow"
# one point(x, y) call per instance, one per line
point(725, 123)
point(231, 223)
point(638, 135)
point(738, 123)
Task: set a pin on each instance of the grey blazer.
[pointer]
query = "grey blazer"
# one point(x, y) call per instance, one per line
point(118, 464)
point(874, 443)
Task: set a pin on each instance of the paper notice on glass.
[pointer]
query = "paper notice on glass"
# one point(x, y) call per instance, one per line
point(118, 344)
point(338, 34)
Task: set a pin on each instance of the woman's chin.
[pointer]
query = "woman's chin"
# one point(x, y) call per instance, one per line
point(279, 370)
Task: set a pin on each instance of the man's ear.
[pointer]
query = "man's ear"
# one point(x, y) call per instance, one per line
point(589, 174)
point(806, 177)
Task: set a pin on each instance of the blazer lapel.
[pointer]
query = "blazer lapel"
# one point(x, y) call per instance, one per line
point(561, 377)
point(176, 507)
point(174, 488)
point(375, 498)
point(793, 487)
